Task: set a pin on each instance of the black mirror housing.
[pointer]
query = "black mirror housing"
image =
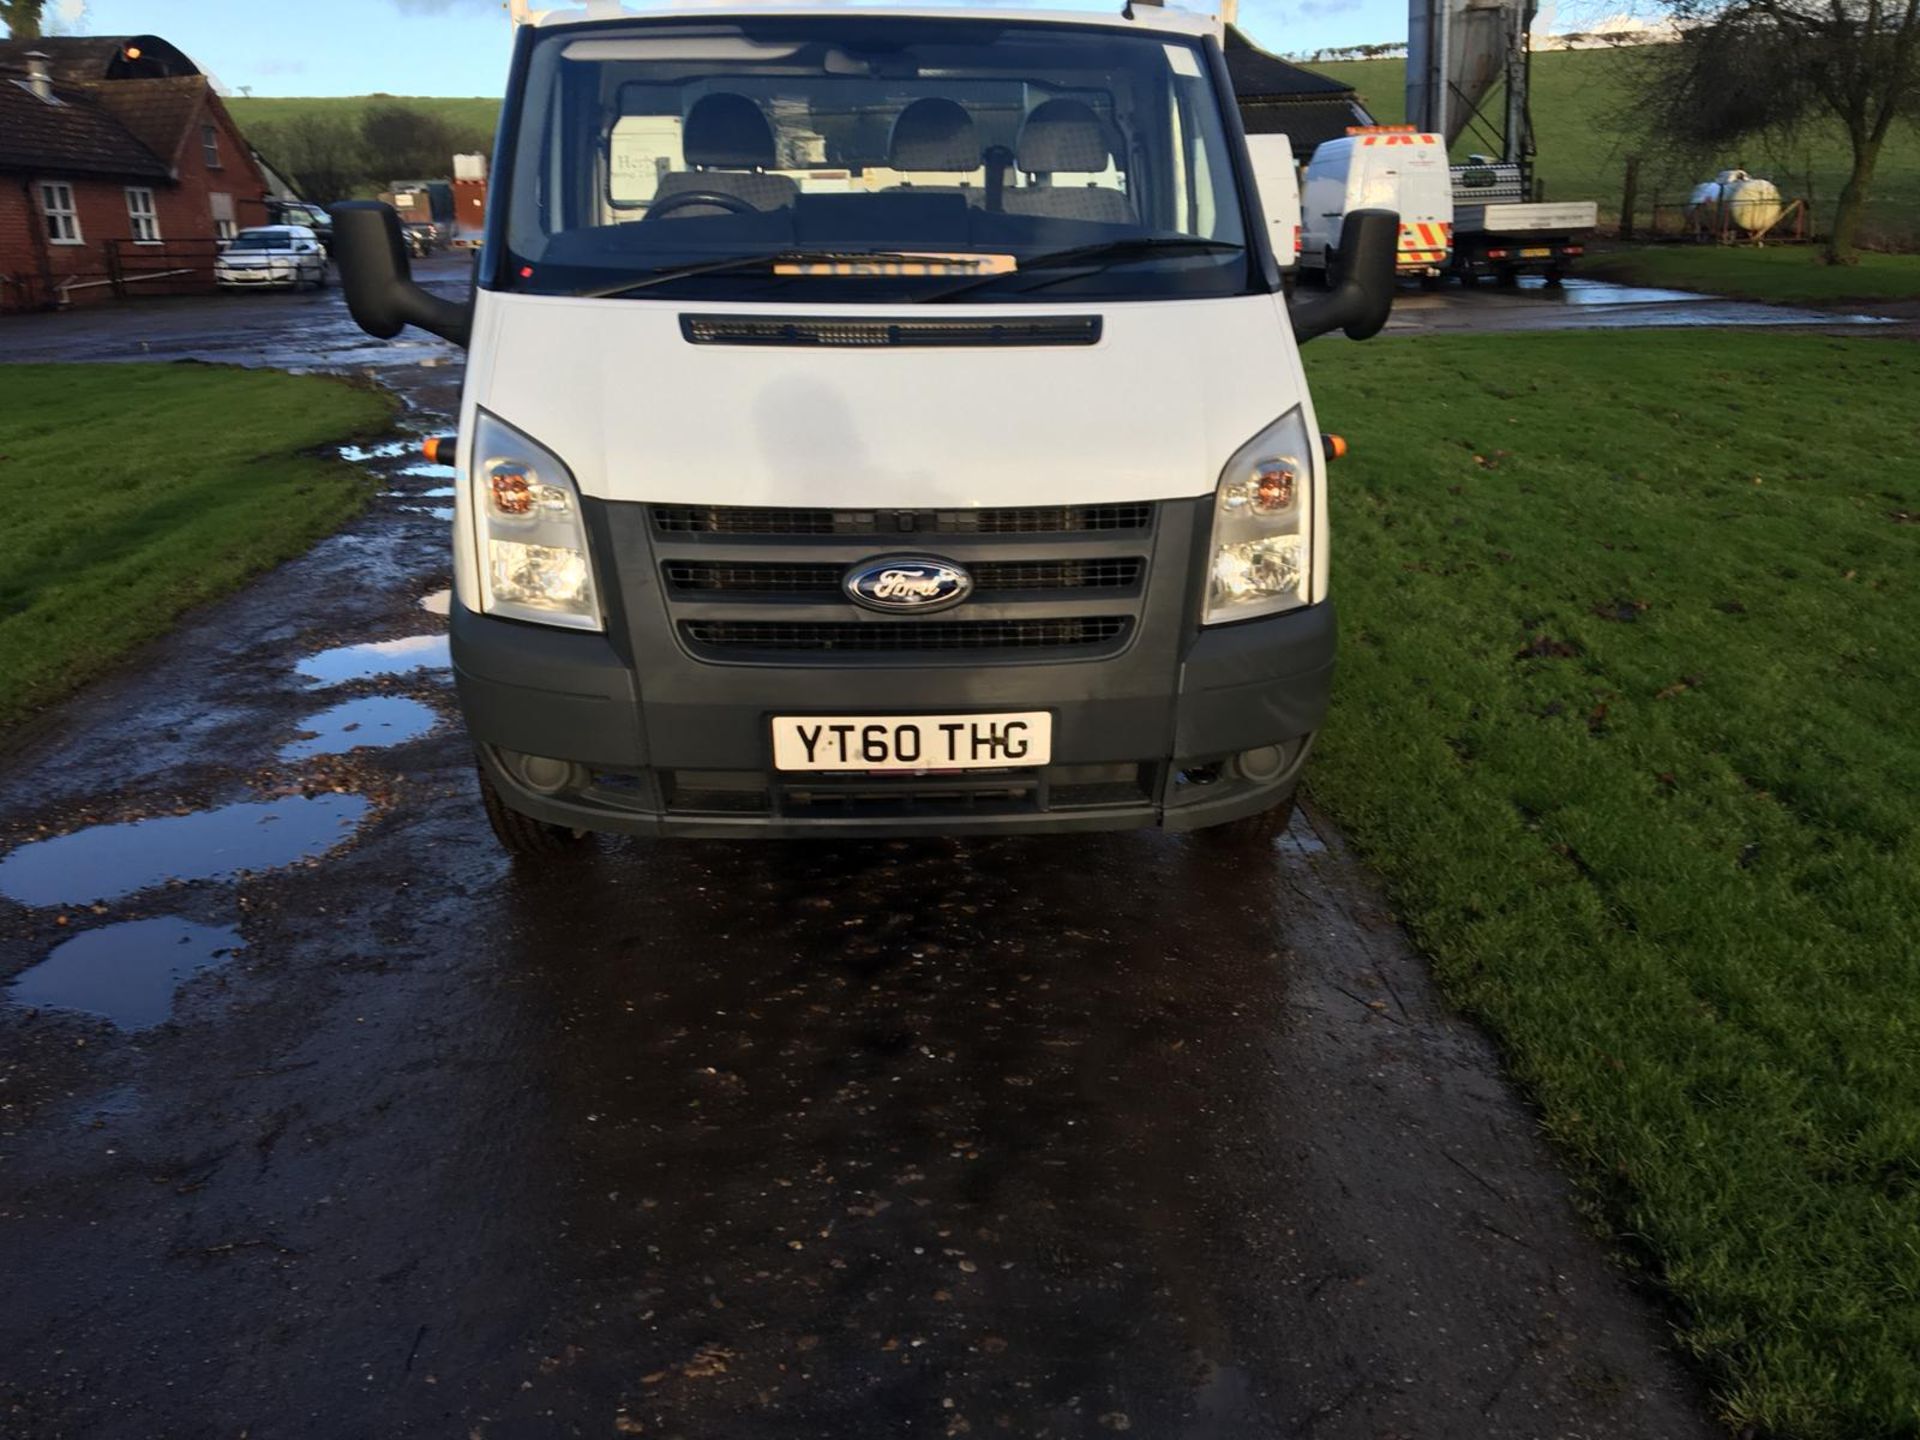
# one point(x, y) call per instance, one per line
point(378, 280)
point(1362, 296)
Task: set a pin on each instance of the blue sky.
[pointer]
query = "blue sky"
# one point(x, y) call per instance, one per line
point(459, 47)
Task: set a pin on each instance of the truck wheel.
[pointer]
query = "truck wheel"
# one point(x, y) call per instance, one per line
point(522, 835)
point(1251, 832)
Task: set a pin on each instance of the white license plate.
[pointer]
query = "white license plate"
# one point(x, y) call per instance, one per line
point(912, 742)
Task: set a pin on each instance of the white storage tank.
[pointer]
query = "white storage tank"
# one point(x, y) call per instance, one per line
point(1733, 197)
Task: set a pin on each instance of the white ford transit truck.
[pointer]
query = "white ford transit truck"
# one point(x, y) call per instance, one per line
point(882, 421)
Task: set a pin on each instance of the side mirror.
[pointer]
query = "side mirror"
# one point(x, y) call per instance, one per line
point(378, 281)
point(1362, 296)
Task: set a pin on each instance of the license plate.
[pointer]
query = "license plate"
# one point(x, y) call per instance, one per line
point(912, 742)
point(1536, 254)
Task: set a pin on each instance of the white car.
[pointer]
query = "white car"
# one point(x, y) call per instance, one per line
point(272, 257)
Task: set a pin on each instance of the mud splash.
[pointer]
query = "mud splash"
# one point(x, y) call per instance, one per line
point(373, 658)
point(367, 723)
point(107, 862)
point(126, 973)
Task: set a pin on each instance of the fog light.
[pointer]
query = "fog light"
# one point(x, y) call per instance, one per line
point(544, 774)
point(1261, 765)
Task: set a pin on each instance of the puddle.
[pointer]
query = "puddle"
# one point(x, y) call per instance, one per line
point(439, 512)
point(357, 724)
point(437, 602)
point(427, 470)
point(375, 657)
point(387, 450)
point(127, 973)
point(439, 492)
point(105, 862)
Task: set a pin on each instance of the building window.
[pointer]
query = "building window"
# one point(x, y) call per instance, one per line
point(210, 145)
point(63, 219)
point(221, 205)
point(145, 218)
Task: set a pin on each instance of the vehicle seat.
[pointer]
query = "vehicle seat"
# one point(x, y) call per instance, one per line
point(1066, 135)
point(936, 134)
point(728, 144)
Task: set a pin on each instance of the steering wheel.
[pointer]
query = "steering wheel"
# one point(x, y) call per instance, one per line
point(732, 204)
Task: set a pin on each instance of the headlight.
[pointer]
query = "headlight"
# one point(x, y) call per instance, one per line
point(533, 544)
point(1261, 556)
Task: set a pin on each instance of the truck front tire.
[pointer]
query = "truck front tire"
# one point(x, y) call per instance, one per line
point(1251, 832)
point(522, 835)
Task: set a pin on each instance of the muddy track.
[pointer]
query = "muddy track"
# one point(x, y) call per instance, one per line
point(1038, 1137)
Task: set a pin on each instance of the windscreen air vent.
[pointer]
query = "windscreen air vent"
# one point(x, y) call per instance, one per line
point(821, 330)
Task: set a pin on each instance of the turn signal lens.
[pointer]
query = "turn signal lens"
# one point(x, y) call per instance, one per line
point(511, 489)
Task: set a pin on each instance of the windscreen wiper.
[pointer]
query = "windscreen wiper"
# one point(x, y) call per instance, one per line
point(1106, 252)
point(751, 262)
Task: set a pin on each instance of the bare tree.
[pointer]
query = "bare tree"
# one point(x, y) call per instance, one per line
point(1769, 68)
point(22, 17)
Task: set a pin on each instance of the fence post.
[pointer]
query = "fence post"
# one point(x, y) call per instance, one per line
point(1629, 196)
point(114, 275)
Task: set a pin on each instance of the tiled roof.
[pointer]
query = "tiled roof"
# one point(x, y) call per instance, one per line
point(1258, 75)
point(75, 137)
point(81, 59)
point(158, 113)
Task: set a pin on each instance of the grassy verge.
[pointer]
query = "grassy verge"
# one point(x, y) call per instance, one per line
point(1789, 273)
point(135, 491)
point(1630, 638)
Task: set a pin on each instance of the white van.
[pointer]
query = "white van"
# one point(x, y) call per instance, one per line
point(1389, 167)
point(880, 422)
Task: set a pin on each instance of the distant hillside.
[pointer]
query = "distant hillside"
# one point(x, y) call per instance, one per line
point(1579, 99)
point(477, 113)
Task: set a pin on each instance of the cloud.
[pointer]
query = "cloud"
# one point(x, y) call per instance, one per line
point(67, 17)
point(1320, 9)
point(446, 7)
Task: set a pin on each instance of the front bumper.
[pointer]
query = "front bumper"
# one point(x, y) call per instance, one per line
point(675, 746)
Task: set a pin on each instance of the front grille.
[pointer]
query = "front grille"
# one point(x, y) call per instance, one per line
point(707, 577)
point(790, 520)
point(904, 637)
point(753, 330)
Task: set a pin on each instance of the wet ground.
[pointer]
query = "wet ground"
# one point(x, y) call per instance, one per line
point(1576, 304)
point(318, 1118)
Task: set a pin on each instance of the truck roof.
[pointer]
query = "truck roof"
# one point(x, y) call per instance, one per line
point(1145, 16)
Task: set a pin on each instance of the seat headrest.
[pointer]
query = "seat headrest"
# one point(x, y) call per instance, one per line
point(934, 134)
point(727, 131)
point(1062, 135)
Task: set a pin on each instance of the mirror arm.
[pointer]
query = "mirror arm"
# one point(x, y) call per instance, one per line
point(377, 277)
point(1360, 303)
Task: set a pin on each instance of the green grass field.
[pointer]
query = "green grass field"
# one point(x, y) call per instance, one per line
point(1580, 101)
point(141, 490)
point(1630, 637)
point(1792, 273)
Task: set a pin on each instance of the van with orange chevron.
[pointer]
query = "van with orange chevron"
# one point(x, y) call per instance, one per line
point(1379, 166)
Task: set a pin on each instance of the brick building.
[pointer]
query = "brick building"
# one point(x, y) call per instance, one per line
point(120, 171)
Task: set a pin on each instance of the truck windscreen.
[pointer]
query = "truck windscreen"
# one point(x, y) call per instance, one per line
point(857, 158)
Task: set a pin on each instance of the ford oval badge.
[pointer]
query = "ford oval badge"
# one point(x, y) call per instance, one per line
point(907, 582)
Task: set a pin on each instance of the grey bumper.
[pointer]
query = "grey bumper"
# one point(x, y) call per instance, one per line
point(663, 743)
